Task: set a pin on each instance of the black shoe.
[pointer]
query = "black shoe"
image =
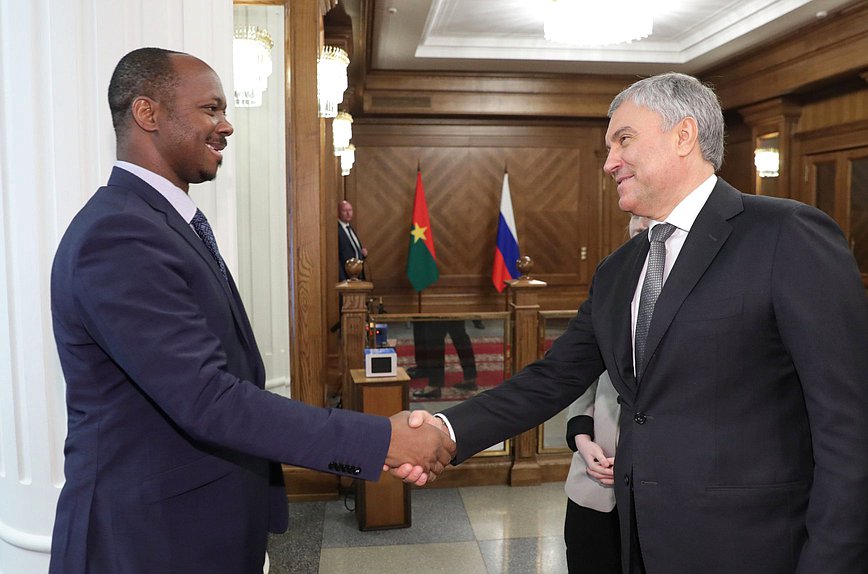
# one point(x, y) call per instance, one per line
point(431, 393)
point(468, 385)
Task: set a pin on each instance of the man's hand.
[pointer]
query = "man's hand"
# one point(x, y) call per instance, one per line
point(600, 467)
point(417, 453)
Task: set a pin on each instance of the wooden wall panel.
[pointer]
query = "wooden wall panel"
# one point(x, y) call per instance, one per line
point(837, 110)
point(818, 54)
point(554, 188)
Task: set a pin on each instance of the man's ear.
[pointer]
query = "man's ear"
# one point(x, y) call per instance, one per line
point(688, 135)
point(144, 111)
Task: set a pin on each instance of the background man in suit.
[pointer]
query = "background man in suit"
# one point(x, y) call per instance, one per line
point(170, 432)
point(349, 244)
point(744, 404)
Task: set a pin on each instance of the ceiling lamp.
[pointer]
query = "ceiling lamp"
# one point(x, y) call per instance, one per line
point(348, 158)
point(342, 131)
point(592, 23)
point(767, 162)
point(331, 80)
point(251, 64)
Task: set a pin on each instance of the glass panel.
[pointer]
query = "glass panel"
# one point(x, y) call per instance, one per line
point(859, 211)
point(825, 186)
point(449, 358)
point(554, 430)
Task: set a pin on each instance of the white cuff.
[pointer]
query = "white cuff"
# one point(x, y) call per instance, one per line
point(448, 426)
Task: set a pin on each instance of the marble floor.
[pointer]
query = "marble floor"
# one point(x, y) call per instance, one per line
point(482, 529)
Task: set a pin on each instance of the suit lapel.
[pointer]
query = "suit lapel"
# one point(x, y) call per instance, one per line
point(708, 234)
point(153, 198)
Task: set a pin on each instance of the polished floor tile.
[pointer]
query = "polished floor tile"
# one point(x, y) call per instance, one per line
point(486, 529)
point(445, 558)
point(437, 516)
point(497, 512)
point(545, 555)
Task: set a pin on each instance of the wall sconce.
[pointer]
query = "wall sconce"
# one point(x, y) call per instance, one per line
point(251, 65)
point(342, 132)
point(331, 80)
point(348, 158)
point(767, 162)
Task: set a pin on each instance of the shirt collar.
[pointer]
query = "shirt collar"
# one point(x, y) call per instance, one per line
point(173, 194)
point(687, 210)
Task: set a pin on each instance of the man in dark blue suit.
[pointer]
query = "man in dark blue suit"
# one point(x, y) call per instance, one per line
point(173, 445)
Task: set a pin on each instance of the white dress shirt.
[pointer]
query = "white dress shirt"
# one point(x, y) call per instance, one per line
point(175, 195)
point(682, 217)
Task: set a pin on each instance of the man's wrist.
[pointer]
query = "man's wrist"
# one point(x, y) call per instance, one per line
point(447, 427)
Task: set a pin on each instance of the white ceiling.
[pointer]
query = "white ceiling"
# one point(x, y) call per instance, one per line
point(507, 35)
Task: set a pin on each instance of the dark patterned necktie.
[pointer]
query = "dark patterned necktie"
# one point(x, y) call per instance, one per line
point(651, 288)
point(203, 228)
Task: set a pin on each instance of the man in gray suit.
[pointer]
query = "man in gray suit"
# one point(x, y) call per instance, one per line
point(744, 400)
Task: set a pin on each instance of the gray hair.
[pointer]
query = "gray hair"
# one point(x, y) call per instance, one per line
point(677, 96)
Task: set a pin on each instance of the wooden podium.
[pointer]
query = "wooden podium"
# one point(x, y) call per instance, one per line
point(385, 503)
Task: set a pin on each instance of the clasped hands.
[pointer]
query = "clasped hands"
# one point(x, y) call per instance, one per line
point(418, 452)
point(600, 467)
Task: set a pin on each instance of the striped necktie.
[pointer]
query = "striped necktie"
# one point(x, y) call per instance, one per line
point(651, 289)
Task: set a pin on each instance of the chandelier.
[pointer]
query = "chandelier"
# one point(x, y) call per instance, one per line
point(592, 23)
point(342, 131)
point(331, 80)
point(251, 63)
point(348, 158)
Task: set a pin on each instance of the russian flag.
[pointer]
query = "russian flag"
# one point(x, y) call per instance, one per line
point(506, 251)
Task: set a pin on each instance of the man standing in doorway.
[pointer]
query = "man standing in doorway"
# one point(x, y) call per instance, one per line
point(349, 244)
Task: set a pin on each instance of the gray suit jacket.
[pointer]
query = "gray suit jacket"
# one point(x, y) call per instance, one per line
point(743, 444)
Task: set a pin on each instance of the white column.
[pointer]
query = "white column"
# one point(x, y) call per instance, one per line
point(56, 148)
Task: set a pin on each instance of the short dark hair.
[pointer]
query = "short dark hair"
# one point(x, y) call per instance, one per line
point(143, 72)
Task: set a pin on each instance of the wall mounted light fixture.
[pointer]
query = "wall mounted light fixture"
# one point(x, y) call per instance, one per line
point(251, 64)
point(331, 80)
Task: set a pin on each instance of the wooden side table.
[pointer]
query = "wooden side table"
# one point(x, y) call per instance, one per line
point(385, 503)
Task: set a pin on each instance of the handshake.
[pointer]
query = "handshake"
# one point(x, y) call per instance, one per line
point(420, 447)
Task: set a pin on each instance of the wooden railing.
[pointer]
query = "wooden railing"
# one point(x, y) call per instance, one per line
point(523, 460)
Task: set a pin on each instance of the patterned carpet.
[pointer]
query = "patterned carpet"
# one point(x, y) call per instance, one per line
point(488, 351)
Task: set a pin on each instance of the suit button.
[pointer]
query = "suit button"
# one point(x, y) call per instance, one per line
point(627, 479)
point(640, 418)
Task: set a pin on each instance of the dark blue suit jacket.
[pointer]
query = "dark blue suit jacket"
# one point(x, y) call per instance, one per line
point(743, 444)
point(170, 434)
